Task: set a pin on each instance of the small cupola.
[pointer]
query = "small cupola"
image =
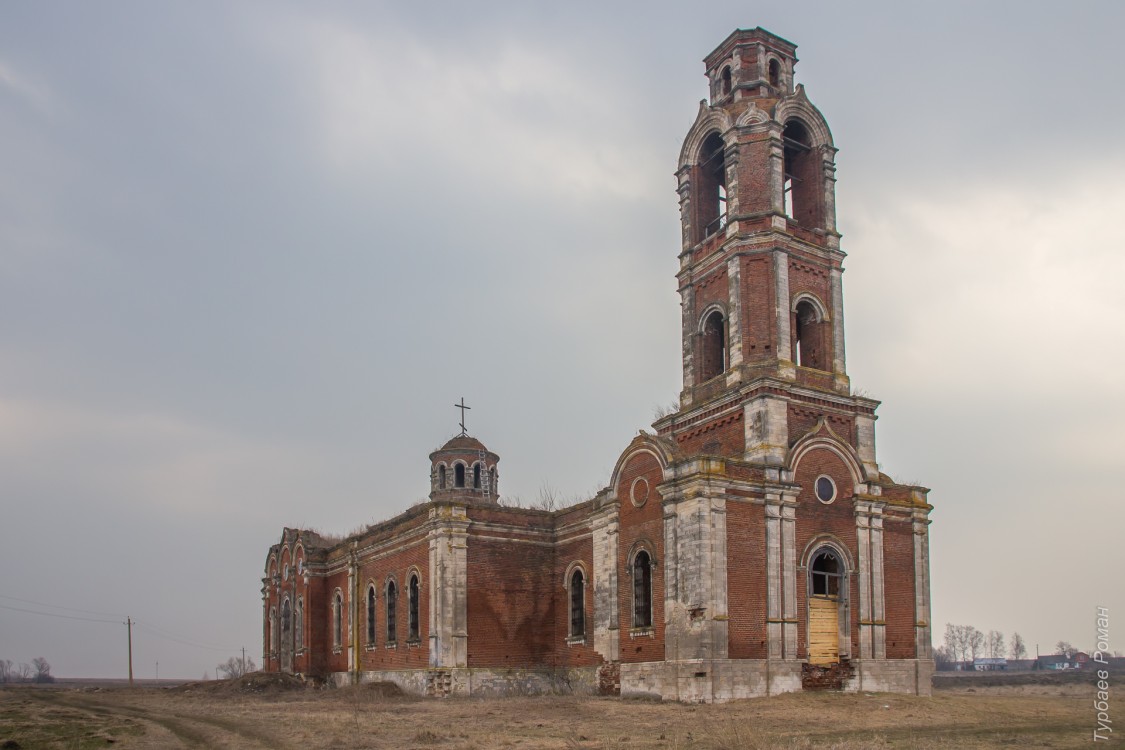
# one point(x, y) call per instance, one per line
point(463, 469)
point(751, 63)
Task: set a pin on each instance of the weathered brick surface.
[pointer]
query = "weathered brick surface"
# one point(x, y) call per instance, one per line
point(722, 497)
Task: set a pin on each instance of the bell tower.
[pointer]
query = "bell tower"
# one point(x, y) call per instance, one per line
point(760, 263)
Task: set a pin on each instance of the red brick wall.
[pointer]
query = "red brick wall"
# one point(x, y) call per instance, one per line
point(574, 655)
point(898, 574)
point(511, 605)
point(400, 564)
point(746, 580)
point(813, 518)
point(758, 318)
point(641, 524)
point(723, 436)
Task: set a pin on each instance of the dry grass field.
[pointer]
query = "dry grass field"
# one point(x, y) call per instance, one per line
point(262, 712)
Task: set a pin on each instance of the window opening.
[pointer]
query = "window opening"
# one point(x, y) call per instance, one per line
point(724, 82)
point(338, 620)
point(392, 596)
point(642, 590)
point(808, 334)
point(459, 475)
point(476, 476)
point(269, 635)
point(371, 614)
point(412, 593)
point(714, 359)
point(826, 574)
point(800, 175)
point(577, 605)
point(441, 477)
point(713, 185)
point(775, 73)
point(299, 626)
point(286, 619)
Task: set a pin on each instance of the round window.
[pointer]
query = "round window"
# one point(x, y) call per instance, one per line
point(639, 491)
point(825, 489)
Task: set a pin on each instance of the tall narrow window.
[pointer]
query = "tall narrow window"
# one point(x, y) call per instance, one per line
point(724, 82)
point(642, 590)
point(476, 476)
point(714, 346)
point(803, 183)
point(713, 186)
point(412, 594)
point(392, 603)
point(459, 475)
point(775, 73)
point(270, 642)
point(441, 477)
point(577, 604)
point(371, 615)
point(286, 620)
point(338, 620)
point(299, 624)
point(808, 335)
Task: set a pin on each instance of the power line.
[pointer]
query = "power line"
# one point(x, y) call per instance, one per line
point(150, 629)
point(56, 606)
point(55, 614)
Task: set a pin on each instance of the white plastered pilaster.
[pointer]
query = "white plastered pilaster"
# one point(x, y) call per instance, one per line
point(734, 313)
point(605, 541)
point(448, 587)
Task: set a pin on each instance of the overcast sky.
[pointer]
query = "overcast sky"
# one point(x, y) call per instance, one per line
point(253, 252)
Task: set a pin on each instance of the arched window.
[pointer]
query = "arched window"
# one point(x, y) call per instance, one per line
point(441, 477)
point(775, 73)
point(808, 337)
point(299, 624)
point(392, 603)
point(269, 633)
point(642, 590)
point(338, 620)
point(803, 184)
point(713, 359)
point(713, 186)
point(412, 595)
point(286, 619)
point(476, 476)
point(577, 604)
point(724, 82)
point(371, 614)
point(825, 574)
point(459, 475)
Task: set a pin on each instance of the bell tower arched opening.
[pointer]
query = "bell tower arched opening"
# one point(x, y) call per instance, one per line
point(809, 345)
point(713, 346)
point(712, 193)
point(802, 184)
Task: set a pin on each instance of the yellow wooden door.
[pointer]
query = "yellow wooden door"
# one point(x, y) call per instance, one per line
point(824, 629)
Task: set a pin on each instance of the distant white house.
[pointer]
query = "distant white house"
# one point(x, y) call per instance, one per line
point(988, 664)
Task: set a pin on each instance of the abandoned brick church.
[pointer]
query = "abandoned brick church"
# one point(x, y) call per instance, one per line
point(750, 545)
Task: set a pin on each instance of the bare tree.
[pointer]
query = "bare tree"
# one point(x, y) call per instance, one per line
point(42, 670)
point(235, 667)
point(943, 660)
point(5, 670)
point(974, 643)
point(995, 644)
point(1018, 649)
point(23, 672)
point(1064, 648)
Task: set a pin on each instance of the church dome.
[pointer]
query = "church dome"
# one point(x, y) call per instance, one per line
point(463, 469)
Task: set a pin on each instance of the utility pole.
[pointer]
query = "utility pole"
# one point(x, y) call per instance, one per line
point(243, 660)
point(129, 623)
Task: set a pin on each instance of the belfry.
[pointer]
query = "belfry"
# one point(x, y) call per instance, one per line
point(749, 545)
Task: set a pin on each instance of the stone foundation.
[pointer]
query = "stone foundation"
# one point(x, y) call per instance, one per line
point(497, 682)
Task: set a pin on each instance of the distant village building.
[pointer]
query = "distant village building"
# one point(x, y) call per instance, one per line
point(989, 664)
point(749, 546)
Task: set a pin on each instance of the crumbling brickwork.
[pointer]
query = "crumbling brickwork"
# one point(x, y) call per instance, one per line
point(750, 545)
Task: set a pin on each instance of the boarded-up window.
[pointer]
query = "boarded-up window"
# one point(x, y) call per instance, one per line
point(824, 629)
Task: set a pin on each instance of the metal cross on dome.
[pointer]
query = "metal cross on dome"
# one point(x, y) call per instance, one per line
point(462, 407)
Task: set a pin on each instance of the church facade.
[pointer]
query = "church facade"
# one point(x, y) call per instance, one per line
point(748, 545)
